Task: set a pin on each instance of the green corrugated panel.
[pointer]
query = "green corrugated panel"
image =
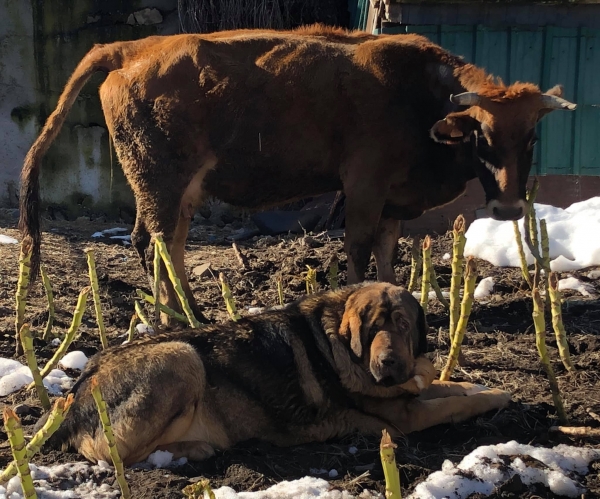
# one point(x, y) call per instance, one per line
point(460, 40)
point(359, 10)
point(526, 63)
point(560, 66)
point(492, 50)
point(429, 30)
point(587, 123)
point(526, 55)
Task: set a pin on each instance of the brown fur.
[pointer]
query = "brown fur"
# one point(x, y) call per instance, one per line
point(261, 117)
point(308, 372)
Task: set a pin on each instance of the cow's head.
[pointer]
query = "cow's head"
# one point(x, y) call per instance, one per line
point(499, 125)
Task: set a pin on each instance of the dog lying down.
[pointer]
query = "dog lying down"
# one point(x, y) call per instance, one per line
point(327, 365)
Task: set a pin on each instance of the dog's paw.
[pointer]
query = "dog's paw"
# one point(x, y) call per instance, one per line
point(415, 385)
point(474, 389)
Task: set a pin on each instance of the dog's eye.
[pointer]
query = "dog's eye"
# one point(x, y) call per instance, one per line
point(379, 322)
point(399, 321)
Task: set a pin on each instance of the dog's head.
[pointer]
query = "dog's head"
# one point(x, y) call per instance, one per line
point(385, 328)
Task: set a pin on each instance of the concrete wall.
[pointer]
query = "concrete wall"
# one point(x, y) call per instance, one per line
point(41, 42)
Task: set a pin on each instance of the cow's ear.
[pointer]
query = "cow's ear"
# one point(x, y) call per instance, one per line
point(351, 328)
point(454, 129)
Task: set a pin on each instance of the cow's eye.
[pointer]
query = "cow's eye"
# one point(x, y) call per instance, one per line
point(533, 141)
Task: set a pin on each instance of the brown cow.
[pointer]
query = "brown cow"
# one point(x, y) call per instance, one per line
point(260, 117)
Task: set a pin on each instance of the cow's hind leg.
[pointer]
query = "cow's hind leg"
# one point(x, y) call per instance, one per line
point(384, 249)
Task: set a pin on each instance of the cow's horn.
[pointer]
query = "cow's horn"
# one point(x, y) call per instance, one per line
point(466, 99)
point(554, 102)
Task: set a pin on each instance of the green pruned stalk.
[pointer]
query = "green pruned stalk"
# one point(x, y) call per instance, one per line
point(531, 232)
point(196, 490)
point(228, 297)
point(436, 288)
point(139, 311)
point(22, 289)
point(333, 273)
point(70, 336)
point(50, 298)
point(110, 438)
point(131, 330)
point(156, 290)
point(540, 340)
point(523, 260)
point(311, 280)
point(545, 247)
point(465, 312)
point(415, 264)
point(163, 308)
point(176, 282)
point(280, 290)
point(458, 263)
point(12, 423)
point(425, 282)
point(27, 342)
point(55, 418)
point(390, 470)
point(557, 322)
point(96, 295)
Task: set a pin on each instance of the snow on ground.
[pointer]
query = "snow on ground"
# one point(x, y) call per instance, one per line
point(574, 236)
point(489, 466)
point(431, 295)
point(74, 360)
point(304, 488)
point(109, 232)
point(4, 239)
point(14, 376)
point(576, 285)
point(484, 288)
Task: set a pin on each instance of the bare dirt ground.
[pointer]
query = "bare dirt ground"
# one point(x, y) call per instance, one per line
point(500, 351)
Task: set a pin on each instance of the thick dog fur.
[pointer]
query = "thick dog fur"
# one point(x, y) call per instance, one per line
point(323, 367)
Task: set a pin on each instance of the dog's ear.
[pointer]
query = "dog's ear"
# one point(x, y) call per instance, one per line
point(351, 328)
point(420, 333)
point(419, 327)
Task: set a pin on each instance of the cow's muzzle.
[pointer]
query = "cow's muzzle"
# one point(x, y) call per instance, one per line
point(507, 211)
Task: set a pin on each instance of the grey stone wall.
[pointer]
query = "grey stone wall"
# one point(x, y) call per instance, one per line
point(41, 42)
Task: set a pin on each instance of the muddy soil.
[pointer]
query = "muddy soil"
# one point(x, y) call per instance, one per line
point(499, 349)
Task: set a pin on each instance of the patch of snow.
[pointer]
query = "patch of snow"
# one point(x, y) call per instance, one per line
point(573, 233)
point(14, 376)
point(55, 342)
point(491, 465)
point(160, 458)
point(484, 288)
point(126, 240)
point(594, 274)
point(446, 256)
point(333, 473)
point(255, 310)
point(431, 295)
point(303, 488)
point(66, 481)
point(352, 450)
point(143, 329)
point(74, 360)
point(4, 239)
point(576, 285)
point(108, 232)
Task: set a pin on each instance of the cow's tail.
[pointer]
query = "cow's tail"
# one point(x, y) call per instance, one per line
point(101, 58)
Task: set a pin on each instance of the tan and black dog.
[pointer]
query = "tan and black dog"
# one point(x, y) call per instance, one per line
point(325, 366)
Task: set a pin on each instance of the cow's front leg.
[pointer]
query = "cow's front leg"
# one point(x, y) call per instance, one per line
point(384, 249)
point(364, 203)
